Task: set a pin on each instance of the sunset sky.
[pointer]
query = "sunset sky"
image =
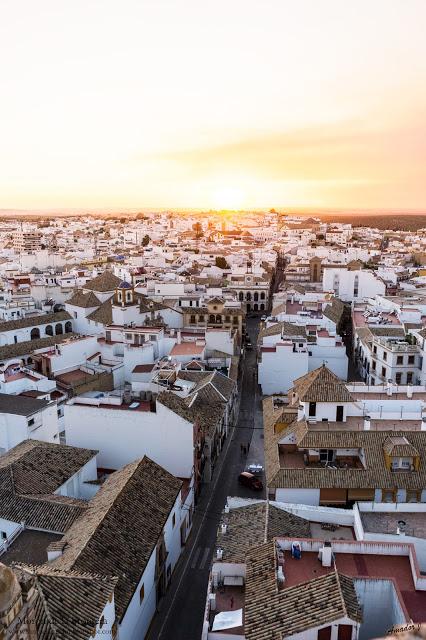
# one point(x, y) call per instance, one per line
point(231, 103)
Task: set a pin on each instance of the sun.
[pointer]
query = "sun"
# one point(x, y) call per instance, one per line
point(228, 198)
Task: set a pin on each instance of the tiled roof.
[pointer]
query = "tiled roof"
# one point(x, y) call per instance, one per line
point(398, 446)
point(335, 310)
point(29, 346)
point(374, 475)
point(68, 605)
point(203, 409)
point(221, 386)
point(83, 300)
point(250, 525)
point(284, 329)
point(271, 614)
point(206, 402)
point(394, 332)
point(146, 305)
point(29, 473)
point(34, 321)
point(104, 283)
point(102, 314)
point(20, 405)
point(321, 385)
point(121, 527)
point(41, 467)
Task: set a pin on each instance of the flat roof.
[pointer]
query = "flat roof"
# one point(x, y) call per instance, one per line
point(20, 405)
point(395, 568)
point(30, 547)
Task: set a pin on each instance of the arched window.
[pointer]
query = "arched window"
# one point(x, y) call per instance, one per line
point(192, 320)
point(262, 307)
point(356, 286)
point(241, 296)
point(68, 327)
point(59, 329)
point(248, 307)
point(211, 318)
point(248, 296)
point(49, 330)
point(255, 306)
point(262, 295)
point(35, 333)
point(218, 319)
point(256, 296)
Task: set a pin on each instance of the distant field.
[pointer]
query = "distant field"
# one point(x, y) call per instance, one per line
point(391, 221)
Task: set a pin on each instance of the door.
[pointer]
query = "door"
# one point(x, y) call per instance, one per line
point(324, 634)
point(339, 413)
point(345, 632)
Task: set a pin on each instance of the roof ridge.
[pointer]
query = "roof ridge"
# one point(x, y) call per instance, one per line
point(135, 464)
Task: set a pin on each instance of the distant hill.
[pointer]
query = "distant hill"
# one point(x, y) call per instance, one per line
point(390, 221)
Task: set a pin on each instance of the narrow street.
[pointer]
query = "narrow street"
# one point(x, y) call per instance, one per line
point(181, 610)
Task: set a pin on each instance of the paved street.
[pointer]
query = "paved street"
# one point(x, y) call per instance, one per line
point(181, 610)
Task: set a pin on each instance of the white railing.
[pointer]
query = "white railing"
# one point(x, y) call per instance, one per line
point(6, 543)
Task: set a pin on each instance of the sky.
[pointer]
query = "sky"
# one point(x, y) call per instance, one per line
point(224, 104)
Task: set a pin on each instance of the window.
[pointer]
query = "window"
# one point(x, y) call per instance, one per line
point(384, 372)
point(141, 594)
point(356, 286)
point(373, 365)
point(201, 318)
point(235, 320)
point(3, 535)
point(312, 409)
point(192, 320)
point(412, 496)
point(410, 359)
point(174, 520)
point(30, 422)
point(128, 336)
point(409, 377)
point(385, 356)
point(398, 377)
point(387, 495)
point(101, 622)
point(75, 314)
point(227, 318)
point(399, 360)
point(374, 349)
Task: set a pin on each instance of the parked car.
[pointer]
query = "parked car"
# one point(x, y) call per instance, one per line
point(249, 346)
point(255, 468)
point(249, 480)
point(263, 318)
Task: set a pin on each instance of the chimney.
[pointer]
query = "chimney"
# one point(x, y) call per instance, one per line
point(280, 578)
point(326, 554)
point(219, 554)
point(179, 336)
point(223, 527)
point(409, 391)
point(367, 423)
